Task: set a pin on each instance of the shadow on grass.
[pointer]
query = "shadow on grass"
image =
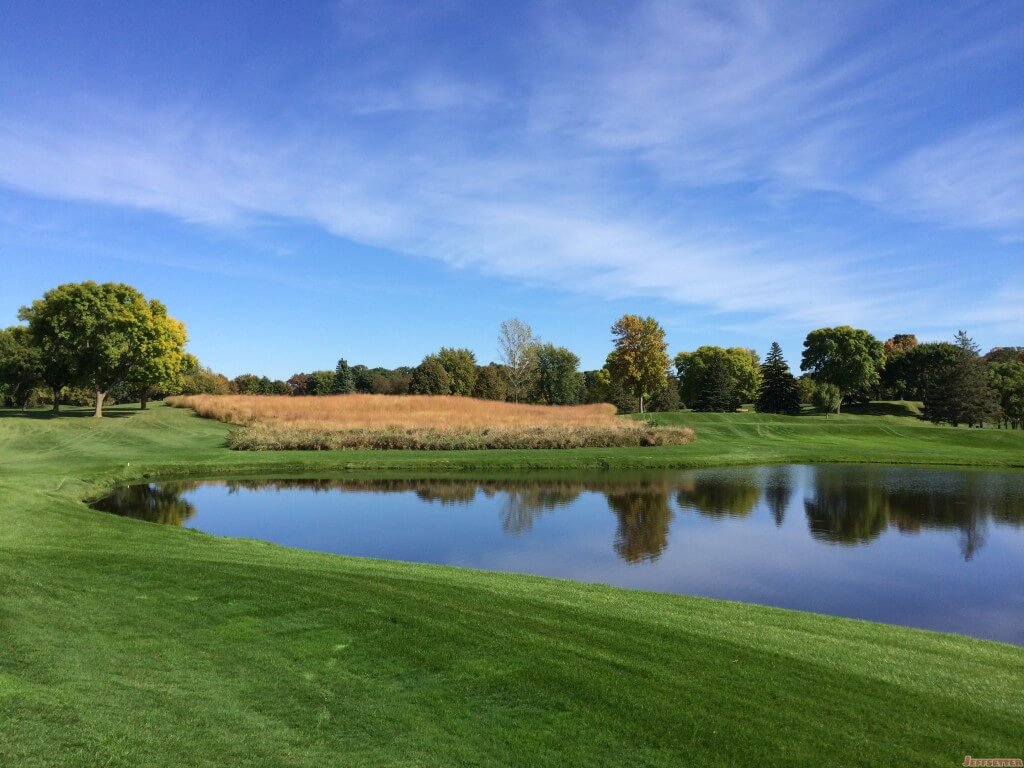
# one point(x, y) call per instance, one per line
point(884, 408)
point(67, 412)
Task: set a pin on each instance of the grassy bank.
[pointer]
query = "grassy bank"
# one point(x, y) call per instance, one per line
point(126, 643)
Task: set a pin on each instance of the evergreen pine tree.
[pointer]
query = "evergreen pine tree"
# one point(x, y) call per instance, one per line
point(957, 389)
point(719, 393)
point(779, 391)
point(344, 381)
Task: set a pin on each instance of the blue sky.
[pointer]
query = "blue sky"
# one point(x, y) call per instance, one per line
point(302, 181)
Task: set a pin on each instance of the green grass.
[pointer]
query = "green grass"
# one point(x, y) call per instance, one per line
point(127, 643)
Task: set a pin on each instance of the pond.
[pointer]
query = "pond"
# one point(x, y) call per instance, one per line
point(934, 548)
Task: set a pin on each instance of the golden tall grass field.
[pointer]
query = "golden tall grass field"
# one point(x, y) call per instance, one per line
point(274, 422)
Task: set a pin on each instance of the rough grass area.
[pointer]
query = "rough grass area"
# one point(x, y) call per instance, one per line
point(275, 438)
point(393, 422)
point(124, 643)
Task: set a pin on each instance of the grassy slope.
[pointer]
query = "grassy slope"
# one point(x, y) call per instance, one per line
point(126, 643)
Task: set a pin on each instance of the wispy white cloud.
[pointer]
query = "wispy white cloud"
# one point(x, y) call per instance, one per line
point(771, 94)
point(974, 178)
point(692, 98)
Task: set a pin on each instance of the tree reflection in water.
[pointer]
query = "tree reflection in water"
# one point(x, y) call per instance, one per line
point(644, 518)
point(843, 512)
point(853, 512)
point(734, 494)
point(778, 489)
point(153, 502)
point(843, 505)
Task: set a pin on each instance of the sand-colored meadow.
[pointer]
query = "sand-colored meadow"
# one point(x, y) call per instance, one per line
point(270, 422)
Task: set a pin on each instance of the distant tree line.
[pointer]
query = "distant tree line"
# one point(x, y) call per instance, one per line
point(529, 370)
point(93, 343)
point(955, 383)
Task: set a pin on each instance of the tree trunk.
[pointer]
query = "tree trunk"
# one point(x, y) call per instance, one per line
point(100, 397)
point(56, 399)
point(144, 400)
point(641, 402)
point(839, 408)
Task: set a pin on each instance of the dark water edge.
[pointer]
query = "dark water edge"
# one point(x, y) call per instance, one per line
point(934, 548)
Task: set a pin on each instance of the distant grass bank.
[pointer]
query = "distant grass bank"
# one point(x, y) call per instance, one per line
point(125, 643)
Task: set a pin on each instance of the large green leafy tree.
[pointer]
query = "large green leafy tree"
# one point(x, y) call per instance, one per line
point(639, 362)
point(362, 378)
point(53, 327)
point(779, 392)
point(559, 381)
point(1007, 380)
point(96, 334)
point(460, 364)
point(596, 385)
point(491, 383)
point(693, 370)
point(161, 356)
point(385, 381)
point(850, 359)
point(897, 375)
point(21, 367)
point(430, 378)
point(321, 382)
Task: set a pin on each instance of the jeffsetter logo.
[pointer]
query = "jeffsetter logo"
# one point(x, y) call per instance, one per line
point(1011, 761)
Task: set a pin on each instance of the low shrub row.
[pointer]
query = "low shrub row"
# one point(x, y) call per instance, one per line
point(280, 438)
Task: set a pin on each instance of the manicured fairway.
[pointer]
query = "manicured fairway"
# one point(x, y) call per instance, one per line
point(127, 643)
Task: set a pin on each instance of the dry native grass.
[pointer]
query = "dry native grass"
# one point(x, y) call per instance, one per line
point(420, 422)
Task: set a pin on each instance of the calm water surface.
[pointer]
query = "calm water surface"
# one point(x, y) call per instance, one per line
point(940, 549)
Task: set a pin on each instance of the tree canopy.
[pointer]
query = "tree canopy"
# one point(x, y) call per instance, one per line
point(161, 358)
point(21, 366)
point(198, 380)
point(559, 381)
point(460, 365)
point(851, 359)
point(100, 335)
point(430, 378)
point(827, 398)
point(1007, 379)
point(897, 376)
point(741, 366)
point(491, 383)
point(639, 360)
